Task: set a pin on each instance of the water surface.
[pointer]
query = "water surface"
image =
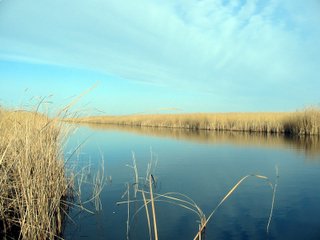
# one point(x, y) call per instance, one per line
point(205, 166)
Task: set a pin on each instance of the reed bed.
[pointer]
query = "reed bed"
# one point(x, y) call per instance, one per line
point(305, 122)
point(33, 183)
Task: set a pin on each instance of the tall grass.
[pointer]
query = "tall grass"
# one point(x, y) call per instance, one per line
point(306, 122)
point(33, 184)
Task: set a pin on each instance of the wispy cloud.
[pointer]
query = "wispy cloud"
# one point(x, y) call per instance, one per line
point(228, 48)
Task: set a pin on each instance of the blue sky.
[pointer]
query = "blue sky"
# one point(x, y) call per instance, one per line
point(157, 56)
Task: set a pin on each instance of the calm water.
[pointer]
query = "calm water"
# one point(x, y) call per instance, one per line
point(204, 166)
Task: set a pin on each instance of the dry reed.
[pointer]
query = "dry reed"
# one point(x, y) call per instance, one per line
point(305, 122)
point(155, 228)
point(33, 184)
point(183, 201)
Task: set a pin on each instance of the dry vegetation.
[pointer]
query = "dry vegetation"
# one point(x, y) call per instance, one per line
point(306, 122)
point(33, 184)
point(145, 186)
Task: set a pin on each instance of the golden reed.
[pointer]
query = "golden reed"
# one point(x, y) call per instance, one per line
point(306, 122)
point(33, 185)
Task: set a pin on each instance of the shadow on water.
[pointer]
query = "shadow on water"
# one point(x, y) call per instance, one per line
point(309, 145)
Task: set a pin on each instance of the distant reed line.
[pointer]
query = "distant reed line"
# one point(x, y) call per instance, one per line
point(305, 122)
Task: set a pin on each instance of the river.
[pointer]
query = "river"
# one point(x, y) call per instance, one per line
point(204, 166)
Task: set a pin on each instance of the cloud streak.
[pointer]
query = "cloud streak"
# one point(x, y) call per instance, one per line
point(225, 48)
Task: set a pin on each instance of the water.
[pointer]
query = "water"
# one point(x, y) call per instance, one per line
point(204, 166)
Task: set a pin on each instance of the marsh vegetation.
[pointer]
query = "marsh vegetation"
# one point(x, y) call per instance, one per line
point(38, 185)
point(38, 188)
point(33, 182)
point(305, 122)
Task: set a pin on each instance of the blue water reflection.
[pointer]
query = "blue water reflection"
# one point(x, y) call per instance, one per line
point(204, 166)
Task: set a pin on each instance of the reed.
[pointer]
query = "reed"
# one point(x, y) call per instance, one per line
point(181, 200)
point(305, 122)
point(205, 220)
point(139, 183)
point(33, 184)
point(155, 228)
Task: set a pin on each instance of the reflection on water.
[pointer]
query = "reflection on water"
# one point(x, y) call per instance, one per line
point(310, 145)
point(204, 166)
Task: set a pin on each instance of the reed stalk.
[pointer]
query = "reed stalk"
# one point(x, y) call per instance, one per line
point(128, 211)
point(147, 213)
point(155, 229)
point(204, 223)
point(181, 200)
point(273, 198)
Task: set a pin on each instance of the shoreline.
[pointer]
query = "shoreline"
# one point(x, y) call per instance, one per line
point(306, 122)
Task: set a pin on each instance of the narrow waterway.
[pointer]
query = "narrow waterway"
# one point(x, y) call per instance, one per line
point(204, 166)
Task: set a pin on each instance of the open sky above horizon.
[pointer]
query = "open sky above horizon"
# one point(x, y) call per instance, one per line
point(158, 56)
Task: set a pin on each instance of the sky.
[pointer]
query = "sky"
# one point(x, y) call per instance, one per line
point(160, 56)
